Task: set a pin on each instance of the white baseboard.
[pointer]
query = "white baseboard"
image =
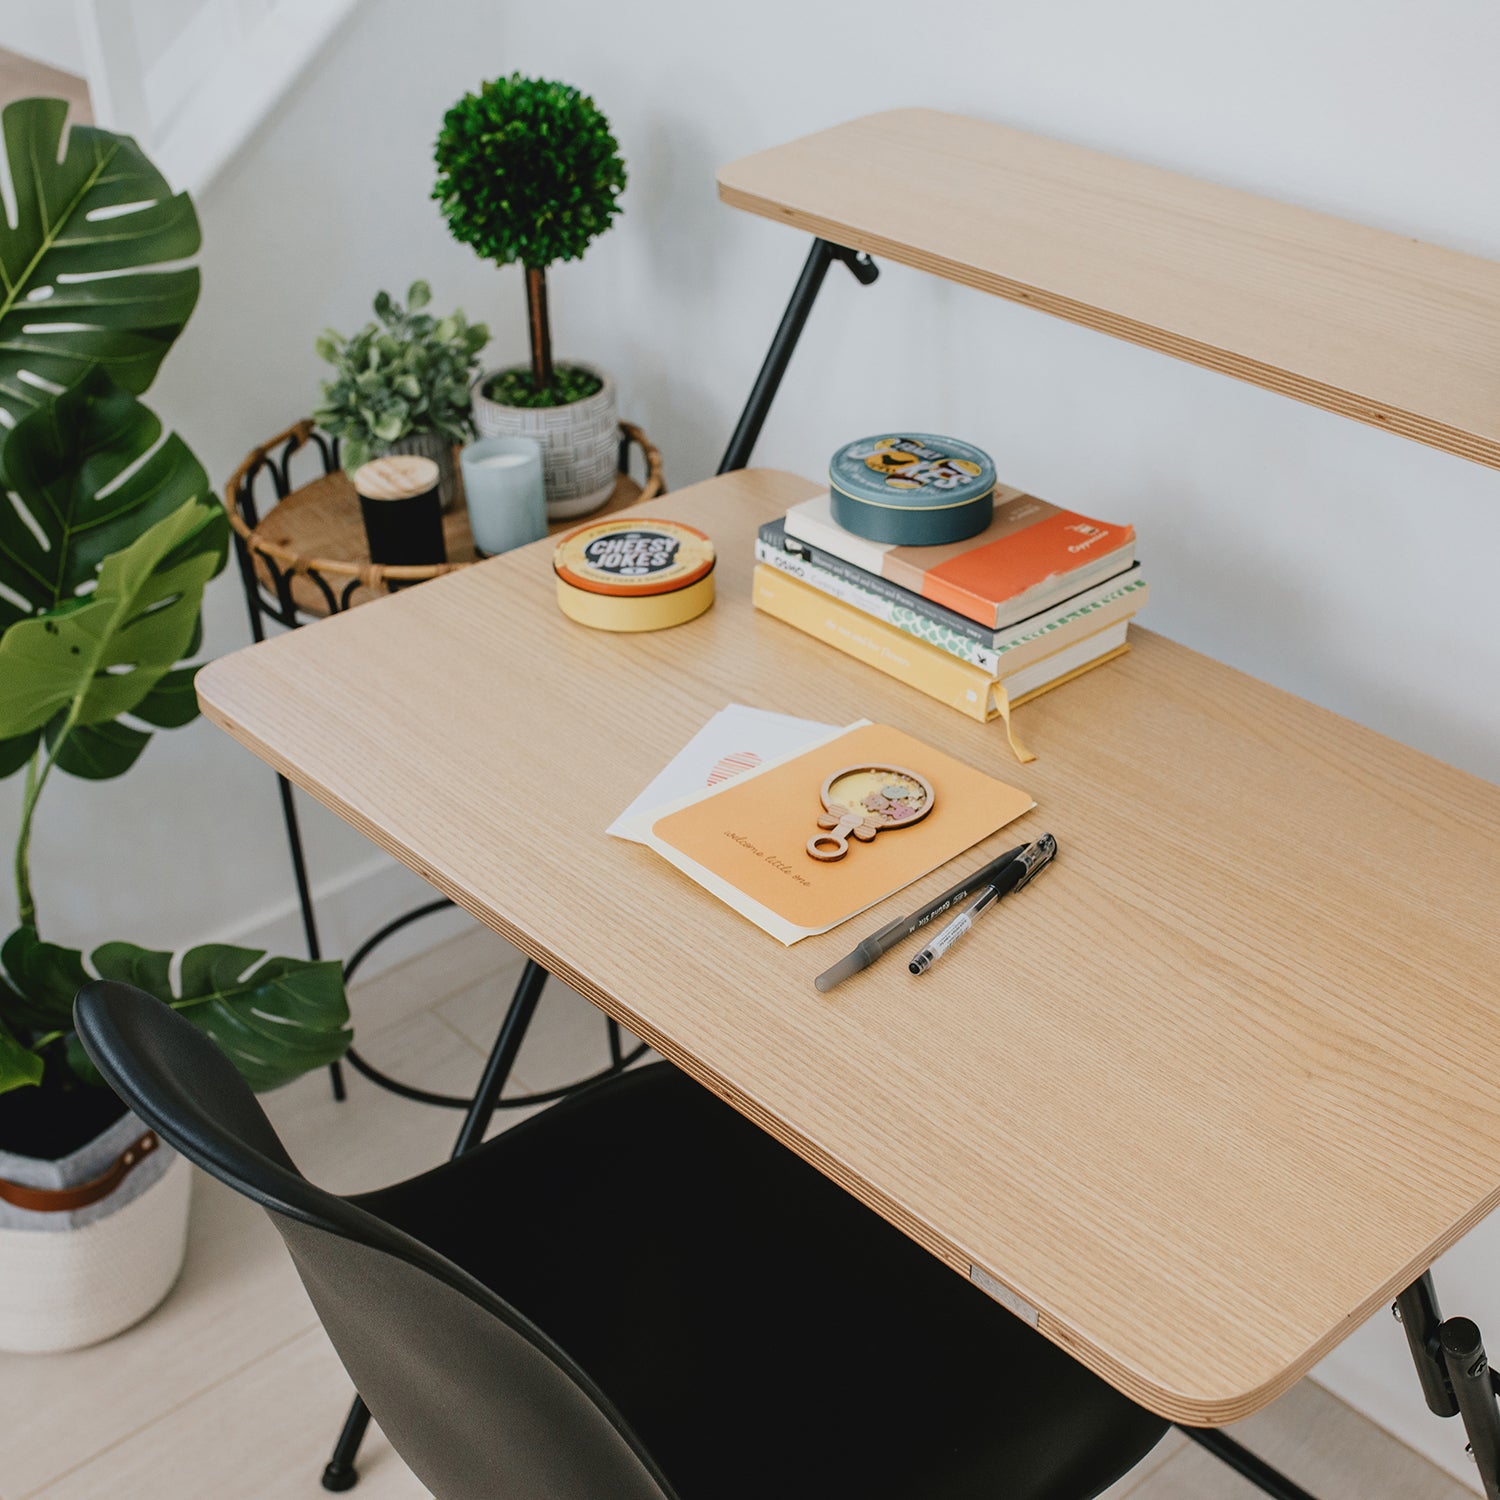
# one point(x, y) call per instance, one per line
point(350, 907)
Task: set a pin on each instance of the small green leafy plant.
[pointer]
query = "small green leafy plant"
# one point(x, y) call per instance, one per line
point(518, 387)
point(529, 172)
point(109, 532)
point(408, 373)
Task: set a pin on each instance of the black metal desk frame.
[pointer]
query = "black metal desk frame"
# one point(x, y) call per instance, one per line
point(1449, 1355)
point(281, 609)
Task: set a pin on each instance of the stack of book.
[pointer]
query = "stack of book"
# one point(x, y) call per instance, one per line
point(1034, 600)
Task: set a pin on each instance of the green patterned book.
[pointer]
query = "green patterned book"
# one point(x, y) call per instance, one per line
point(1006, 650)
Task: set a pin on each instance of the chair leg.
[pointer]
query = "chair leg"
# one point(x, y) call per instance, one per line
point(616, 1050)
point(339, 1473)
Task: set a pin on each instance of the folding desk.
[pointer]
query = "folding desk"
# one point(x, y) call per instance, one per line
point(1187, 1105)
point(1216, 1088)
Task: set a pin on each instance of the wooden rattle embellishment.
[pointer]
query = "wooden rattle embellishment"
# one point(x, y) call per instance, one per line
point(861, 800)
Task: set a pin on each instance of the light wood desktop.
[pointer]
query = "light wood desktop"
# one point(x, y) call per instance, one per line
point(1199, 1101)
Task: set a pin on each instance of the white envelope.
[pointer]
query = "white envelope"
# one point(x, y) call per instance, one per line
point(736, 739)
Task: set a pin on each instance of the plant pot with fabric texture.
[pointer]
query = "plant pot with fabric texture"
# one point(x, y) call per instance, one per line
point(580, 441)
point(92, 1233)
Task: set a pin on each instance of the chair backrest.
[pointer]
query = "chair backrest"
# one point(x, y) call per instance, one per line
point(479, 1401)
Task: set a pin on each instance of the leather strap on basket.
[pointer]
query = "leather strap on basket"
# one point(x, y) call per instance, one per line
point(64, 1200)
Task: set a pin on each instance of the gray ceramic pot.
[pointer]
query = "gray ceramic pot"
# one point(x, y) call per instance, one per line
point(580, 441)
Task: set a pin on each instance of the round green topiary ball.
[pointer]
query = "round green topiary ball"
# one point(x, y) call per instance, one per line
point(528, 171)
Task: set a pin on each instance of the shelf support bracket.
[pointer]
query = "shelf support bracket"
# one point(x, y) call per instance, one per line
point(1455, 1374)
point(779, 355)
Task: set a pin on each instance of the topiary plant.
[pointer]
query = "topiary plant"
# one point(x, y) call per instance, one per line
point(529, 171)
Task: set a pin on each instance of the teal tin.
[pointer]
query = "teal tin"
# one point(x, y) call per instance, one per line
point(912, 489)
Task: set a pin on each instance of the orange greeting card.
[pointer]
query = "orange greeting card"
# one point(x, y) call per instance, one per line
point(746, 840)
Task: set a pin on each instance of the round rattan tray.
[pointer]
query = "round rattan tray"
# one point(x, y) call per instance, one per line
point(309, 551)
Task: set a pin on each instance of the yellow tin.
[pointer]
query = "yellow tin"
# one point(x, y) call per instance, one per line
point(632, 574)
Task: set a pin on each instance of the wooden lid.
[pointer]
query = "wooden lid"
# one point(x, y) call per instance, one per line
point(633, 558)
point(398, 476)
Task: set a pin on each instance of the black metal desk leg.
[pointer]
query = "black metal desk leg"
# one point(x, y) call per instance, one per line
point(763, 393)
point(1239, 1458)
point(340, 1473)
point(1417, 1312)
point(1455, 1374)
point(1469, 1370)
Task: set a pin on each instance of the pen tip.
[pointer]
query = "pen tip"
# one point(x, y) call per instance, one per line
point(850, 964)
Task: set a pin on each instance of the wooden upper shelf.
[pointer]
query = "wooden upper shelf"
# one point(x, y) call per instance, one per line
point(1359, 321)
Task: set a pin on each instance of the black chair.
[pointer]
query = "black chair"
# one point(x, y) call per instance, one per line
point(638, 1295)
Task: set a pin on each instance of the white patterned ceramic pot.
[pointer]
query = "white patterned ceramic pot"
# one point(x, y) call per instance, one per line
point(580, 441)
point(75, 1275)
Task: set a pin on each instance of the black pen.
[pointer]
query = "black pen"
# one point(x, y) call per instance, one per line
point(1025, 868)
point(903, 927)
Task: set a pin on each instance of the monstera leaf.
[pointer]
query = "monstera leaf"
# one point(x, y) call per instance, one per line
point(275, 1018)
point(78, 278)
point(37, 1001)
point(66, 464)
point(102, 579)
point(18, 1064)
point(98, 657)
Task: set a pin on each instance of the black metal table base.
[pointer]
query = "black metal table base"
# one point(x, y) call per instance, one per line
point(1451, 1364)
point(618, 1058)
point(1239, 1458)
point(282, 610)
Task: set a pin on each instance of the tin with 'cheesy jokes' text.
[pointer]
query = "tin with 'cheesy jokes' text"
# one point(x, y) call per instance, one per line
point(634, 574)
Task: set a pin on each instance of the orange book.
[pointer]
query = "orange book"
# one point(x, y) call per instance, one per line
point(1031, 556)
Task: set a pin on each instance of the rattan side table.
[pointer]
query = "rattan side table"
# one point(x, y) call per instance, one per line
point(302, 558)
point(309, 549)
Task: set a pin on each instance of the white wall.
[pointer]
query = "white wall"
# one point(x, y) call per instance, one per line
point(1335, 560)
point(46, 30)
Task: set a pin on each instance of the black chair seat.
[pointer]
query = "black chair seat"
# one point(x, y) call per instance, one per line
point(764, 1333)
point(638, 1293)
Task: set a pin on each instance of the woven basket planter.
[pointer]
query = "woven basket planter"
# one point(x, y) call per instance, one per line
point(72, 1276)
point(580, 442)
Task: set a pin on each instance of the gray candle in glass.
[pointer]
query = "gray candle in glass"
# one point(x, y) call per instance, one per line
point(504, 492)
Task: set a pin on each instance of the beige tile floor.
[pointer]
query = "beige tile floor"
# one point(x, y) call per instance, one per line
point(230, 1390)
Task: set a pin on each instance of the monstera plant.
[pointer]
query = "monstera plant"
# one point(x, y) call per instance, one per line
point(108, 534)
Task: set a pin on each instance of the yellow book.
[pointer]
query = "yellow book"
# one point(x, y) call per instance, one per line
point(960, 684)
